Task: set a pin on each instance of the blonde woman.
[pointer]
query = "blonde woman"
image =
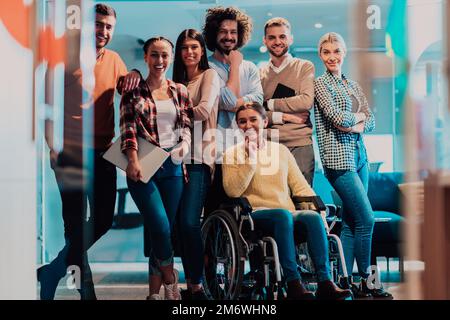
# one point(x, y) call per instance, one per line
point(274, 211)
point(342, 115)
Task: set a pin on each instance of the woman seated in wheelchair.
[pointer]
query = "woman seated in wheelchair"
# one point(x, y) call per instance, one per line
point(265, 172)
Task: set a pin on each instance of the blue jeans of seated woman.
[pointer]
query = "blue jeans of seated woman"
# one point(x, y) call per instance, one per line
point(309, 225)
point(158, 201)
point(194, 196)
point(279, 223)
point(357, 218)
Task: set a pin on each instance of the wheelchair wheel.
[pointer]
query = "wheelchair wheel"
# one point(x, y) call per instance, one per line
point(224, 262)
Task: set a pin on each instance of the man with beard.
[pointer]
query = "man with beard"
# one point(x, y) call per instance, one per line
point(80, 181)
point(226, 30)
point(288, 85)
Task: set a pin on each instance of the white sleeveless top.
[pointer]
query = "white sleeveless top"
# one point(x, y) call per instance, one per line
point(165, 120)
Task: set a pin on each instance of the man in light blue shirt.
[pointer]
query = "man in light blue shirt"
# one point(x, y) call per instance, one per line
point(225, 31)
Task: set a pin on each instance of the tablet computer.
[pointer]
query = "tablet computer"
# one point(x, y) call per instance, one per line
point(150, 157)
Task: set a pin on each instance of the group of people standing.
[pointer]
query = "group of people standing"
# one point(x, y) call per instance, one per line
point(218, 96)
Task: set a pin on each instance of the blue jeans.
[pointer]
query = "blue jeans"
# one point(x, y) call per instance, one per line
point(357, 218)
point(309, 225)
point(158, 201)
point(279, 223)
point(189, 231)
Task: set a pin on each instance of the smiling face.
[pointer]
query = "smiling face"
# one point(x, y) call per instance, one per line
point(158, 57)
point(227, 36)
point(277, 40)
point(332, 55)
point(104, 30)
point(191, 52)
point(250, 119)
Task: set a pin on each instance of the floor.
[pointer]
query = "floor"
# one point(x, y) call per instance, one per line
point(128, 281)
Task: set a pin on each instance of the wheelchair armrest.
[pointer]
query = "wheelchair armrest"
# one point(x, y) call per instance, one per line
point(336, 209)
point(242, 202)
point(315, 200)
point(331, 210)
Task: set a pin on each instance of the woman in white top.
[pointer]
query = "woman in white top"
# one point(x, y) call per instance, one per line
point(157, 111)
point(191, 68)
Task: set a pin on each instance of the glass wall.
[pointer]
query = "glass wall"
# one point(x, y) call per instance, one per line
point(140, 20)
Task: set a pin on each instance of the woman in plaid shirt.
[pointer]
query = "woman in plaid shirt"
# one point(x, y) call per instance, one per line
point(342, 115)
point(157, 111)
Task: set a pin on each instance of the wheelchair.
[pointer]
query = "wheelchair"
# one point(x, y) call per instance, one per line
point(230, 240)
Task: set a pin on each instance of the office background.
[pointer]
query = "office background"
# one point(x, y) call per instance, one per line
point(396, 50)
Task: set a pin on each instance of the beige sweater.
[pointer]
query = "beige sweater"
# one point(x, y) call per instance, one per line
point(204, 92)
point(268, 181)
point(298, 75)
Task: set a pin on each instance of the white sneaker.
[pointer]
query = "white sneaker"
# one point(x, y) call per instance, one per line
point(154, 296)
point(171, 291)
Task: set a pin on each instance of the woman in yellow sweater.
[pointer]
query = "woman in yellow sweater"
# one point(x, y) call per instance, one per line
point(266, 173)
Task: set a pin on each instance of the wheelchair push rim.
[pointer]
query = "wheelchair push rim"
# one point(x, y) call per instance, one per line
point(224, 266)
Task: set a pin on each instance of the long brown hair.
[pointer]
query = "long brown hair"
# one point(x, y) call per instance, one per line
point(179, 69)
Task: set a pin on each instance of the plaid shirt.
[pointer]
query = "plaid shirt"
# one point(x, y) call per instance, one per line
point(333, 107)
point(138, 115)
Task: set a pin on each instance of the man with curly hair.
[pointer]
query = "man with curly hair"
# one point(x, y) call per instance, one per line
point(226, 30)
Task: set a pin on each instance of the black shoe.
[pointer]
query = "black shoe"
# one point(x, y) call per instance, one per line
point(50, 274)
point(379, 293)
point(87, 289)
point(327, 290)
point(186, 294)
point(199, 295)
point(87, 292)
point(90, 295)
point(296, 291)
point(358, 293)
point(344, 282)
point(49, 282)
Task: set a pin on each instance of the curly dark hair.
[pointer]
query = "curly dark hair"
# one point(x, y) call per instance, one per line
point(214, 18)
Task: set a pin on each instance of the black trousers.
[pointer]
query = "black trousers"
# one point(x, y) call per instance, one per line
point(304, 156)
point(79, 187)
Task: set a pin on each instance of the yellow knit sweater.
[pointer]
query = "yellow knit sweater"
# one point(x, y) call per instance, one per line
point(268, 181)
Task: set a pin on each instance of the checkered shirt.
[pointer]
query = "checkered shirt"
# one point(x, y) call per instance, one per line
point(333, 107)
point(138, 114)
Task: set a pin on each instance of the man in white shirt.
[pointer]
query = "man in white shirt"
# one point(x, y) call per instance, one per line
point(226, 30)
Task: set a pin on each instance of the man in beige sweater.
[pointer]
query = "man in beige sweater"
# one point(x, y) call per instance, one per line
point(288, 86)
